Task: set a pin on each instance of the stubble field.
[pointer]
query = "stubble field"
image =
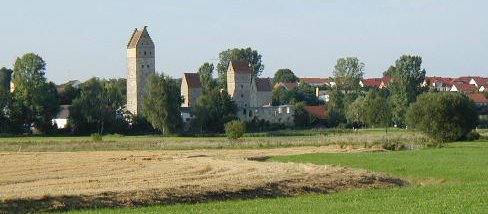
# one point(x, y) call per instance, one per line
point(48, 181)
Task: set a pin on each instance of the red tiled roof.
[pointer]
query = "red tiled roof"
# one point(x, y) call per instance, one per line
point(386, 80)
point(480, 80)
point(464, 80)
point(193, 80)
point(465, 87)
point(310, 80)
point(240, 66)
point(263, 84)
point(318, 111)
point(291, 85)
point(447, 81)
point(478, 98)
point(372, 82)
point(376, 82)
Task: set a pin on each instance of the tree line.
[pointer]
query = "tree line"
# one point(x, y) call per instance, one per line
point(96, 106)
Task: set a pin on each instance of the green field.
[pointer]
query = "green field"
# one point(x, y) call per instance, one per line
point(453, 179)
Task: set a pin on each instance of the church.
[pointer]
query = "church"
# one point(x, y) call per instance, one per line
point(251, 95)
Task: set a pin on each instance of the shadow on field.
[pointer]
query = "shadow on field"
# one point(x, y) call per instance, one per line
point(195, 194)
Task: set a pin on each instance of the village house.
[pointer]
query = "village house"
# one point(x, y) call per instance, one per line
point(478, 99)
point(375, 82)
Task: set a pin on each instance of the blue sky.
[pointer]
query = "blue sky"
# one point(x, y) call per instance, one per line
point(82, 39)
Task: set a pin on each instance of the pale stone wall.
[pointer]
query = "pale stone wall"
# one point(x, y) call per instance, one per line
point(259, 98)
point(263, 98)
point(273, 114)
point(239, 88)
point(190, 95)
point(185, 93)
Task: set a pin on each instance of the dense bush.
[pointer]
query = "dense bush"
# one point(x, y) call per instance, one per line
point(473, 136)
point(235, 129)
point(393, 146)
point(443, 116)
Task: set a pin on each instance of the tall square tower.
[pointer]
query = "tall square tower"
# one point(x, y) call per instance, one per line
point(140, 66)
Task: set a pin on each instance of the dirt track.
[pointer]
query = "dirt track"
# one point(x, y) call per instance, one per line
point(71, 180)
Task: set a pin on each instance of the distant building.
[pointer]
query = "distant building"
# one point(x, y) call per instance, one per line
point(380, 83)
point(61, 119)
point(479, 99)
point(261, 92)
point(191, 89)
point(462, 87)
point(140, 66)
point(317, 81)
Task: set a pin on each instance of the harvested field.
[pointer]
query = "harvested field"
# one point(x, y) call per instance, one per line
point(73, 180)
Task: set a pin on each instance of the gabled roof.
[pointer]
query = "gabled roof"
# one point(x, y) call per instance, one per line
point(478, 98)
point(240, 66)
point(318, 111)
point(193, 80)
point(263, 84)
point(376, 82)
point(311, 80)
point(464, 80)
point(480, 80)
point(372, 82)
point(446, 81)
point(465, 87)
point(136, 36)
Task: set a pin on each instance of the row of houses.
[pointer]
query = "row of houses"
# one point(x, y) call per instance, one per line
point(472, 86)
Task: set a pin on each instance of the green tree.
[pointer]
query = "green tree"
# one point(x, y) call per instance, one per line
point(407, 76)
point(390, 72)
point(205, 73)
point(443, 116)
point(302, 118)
point(377, 110)
point(241, 54)
point(348, 72)
point(335, 108)
point(162, 104)
point(37, 99)
point(5, 105)
point(284, 75)
point(91, 111)
point(235, 129)
point(214, 109)
point(355, 112)
point(302, 93)
point(5, 78)
point(68, 94)
point(96, 107)
point(281, 96)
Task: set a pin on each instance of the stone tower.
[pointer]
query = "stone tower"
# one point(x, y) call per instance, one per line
point(140, 66)
point(239, 85)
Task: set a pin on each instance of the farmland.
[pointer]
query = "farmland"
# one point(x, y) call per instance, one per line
point(447, 180)
point(63, 173)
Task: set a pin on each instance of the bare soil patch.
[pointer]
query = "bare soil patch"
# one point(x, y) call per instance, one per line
point(31, 182)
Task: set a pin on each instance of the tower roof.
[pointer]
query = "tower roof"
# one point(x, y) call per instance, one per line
point(263, 84)
point(193, 80)
point(240, 66)
point(136, 37)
